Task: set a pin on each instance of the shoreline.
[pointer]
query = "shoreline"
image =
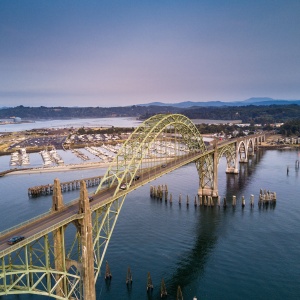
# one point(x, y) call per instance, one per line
point(64, 168)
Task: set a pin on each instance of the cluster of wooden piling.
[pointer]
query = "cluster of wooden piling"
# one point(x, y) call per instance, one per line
point(149, 286)
point(65, 186)
point(266, 198)
point(161, 192)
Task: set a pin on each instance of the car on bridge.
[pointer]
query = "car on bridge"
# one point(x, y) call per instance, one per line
point(15, 239)
point(136, 177)
point(163, 165)
point(91, 199)
point(123, 186)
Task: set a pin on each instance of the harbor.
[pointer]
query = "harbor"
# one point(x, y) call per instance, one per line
point(184, 244)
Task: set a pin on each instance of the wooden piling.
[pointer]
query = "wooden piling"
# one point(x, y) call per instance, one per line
point(47, 189)
point(149, 283)
point(243, 202)
point(179, 294)
point(166, 195)
point(163, 289)
point(107, 272)
point(233, 201)
point(128, 276)
point(201, 200)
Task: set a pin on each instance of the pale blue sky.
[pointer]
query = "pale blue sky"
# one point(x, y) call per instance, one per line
point(111, 53)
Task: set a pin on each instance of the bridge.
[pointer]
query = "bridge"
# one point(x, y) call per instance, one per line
point(64, 249)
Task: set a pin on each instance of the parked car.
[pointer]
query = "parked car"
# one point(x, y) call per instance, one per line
point(15, 239)
point(123, 186)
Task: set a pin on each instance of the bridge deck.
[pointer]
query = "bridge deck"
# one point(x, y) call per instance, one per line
point(52, 220)
point(48, 222)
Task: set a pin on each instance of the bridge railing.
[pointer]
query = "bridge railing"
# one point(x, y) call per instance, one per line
point(40, 234)
point(24, 223)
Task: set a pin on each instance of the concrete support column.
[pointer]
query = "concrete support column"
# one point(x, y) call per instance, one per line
point(244, 159)
point(57, 198)
point(236, 158)
point(233, 169)
point(58, 240)
point(60, 262)
point(215, 192)
point(88, 276)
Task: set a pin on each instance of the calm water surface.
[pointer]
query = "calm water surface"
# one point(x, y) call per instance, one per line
point(76, 123)
point(212, 253)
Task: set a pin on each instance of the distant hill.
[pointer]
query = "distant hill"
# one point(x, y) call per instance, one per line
point(251, 101)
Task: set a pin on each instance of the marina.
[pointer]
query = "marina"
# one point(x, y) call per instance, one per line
point(20, 158)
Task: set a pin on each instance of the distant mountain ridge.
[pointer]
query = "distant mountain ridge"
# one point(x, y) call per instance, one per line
point(251, 101)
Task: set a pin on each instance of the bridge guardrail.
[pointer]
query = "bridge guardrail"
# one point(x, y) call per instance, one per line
point(41, 233)
point(24, 223)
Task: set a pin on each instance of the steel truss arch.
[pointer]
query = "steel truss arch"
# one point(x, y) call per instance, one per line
point(136, 149)
point(47, 263)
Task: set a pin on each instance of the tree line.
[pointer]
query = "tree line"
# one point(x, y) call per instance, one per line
point(247, 114)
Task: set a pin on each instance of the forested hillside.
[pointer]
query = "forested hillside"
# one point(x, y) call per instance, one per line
point(248, 114)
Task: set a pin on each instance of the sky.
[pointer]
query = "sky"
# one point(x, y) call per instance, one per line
point(118, 53)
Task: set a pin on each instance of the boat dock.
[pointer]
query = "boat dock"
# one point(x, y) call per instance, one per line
point(47, 189)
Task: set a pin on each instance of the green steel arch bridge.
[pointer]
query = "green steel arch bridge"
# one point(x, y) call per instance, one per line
point(47, 263)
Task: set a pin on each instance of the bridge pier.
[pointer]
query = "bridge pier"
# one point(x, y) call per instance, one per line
point(59, 242)
point(212, 188)
point(85, 227)
point(232, 170)
point(57, 199)
point(208, 191)
point(215, 192)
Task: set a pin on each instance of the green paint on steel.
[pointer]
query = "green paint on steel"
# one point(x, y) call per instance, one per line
point(28, 267)
point(130, 157)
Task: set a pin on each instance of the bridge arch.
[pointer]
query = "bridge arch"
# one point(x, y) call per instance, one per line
point(242, 151)
point(62, 270)
point(136, 151)
point(229, 151)
point(251, 146)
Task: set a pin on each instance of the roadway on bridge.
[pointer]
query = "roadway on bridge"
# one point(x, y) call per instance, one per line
point(101, 198)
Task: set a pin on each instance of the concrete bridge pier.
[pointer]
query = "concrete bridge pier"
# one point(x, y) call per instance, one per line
point(85, 227)
point(57, 198)
point(232, 170)
point(215, 191)
point(232, 164)
point(58, 241)
point(212, 191)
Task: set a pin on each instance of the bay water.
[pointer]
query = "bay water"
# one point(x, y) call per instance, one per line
point(210, 252)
